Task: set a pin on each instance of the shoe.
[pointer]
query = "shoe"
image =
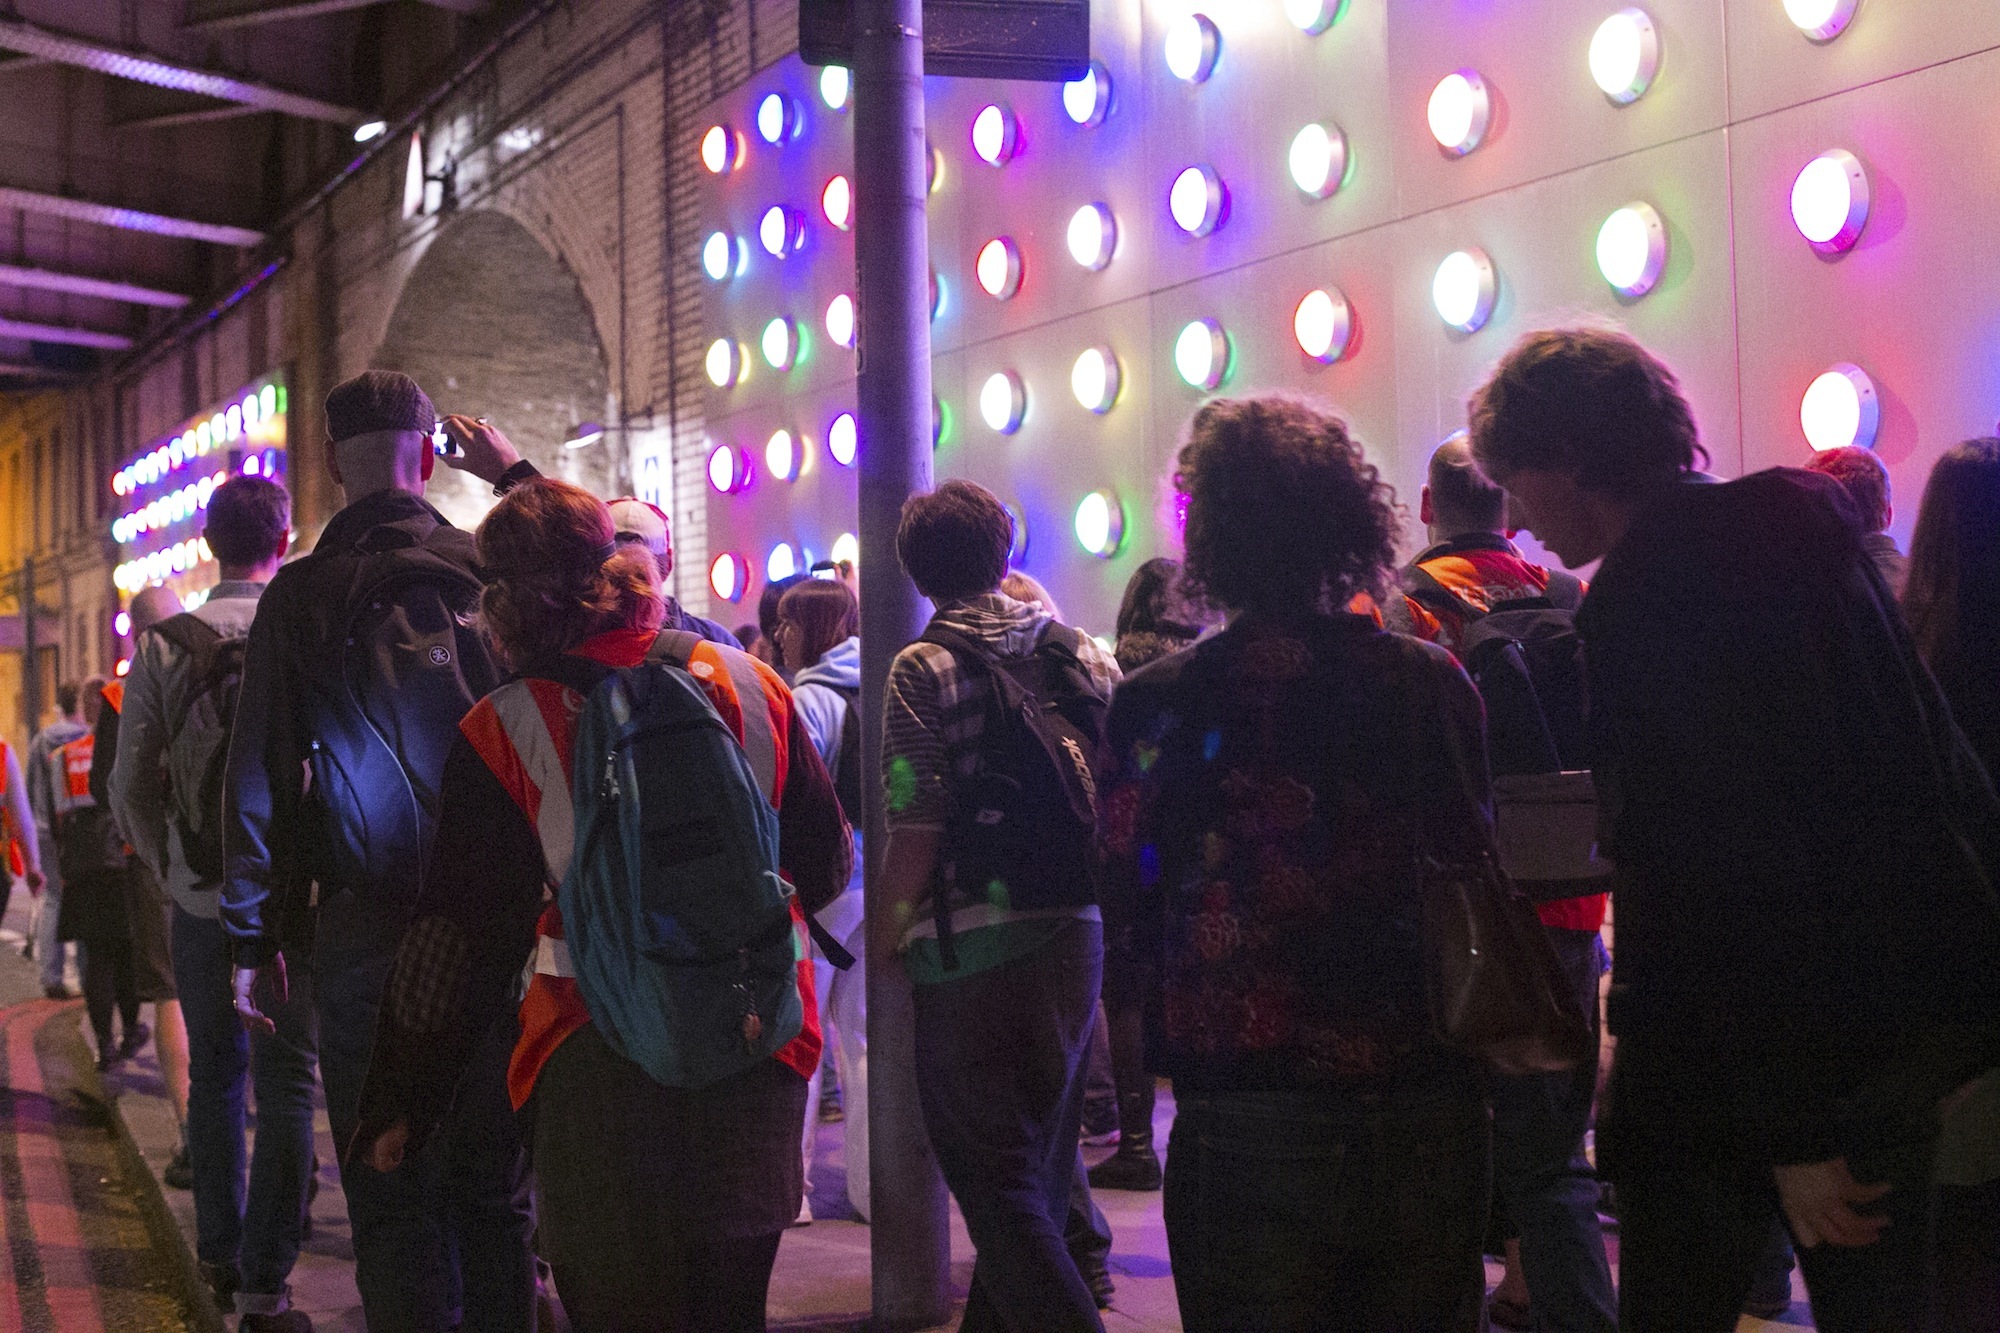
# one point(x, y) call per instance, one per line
point(179, 1174)
point(1506, 1313)
point(223, 1280)
point(830, 1110)
point(291, 1321)
point(135, 1041)
point(805, 1217)
point(1100, 1124)
point(107, 1056)
point(1098, 1278)
point(58, 992)
point(1133, 1167)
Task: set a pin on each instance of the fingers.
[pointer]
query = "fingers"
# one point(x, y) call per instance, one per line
point(281, 984)
point(254, 1022)
point(1841, 1225)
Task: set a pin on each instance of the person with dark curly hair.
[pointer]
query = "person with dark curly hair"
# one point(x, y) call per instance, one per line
point(1272, 791)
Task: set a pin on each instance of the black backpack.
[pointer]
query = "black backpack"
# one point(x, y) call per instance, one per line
point(847, 772)
point(197, 754)
point(1023, 832)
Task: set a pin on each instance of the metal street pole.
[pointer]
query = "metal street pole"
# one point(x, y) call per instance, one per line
point(910, 1237)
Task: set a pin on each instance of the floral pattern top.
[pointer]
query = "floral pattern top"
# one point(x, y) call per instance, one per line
point(1272, 791)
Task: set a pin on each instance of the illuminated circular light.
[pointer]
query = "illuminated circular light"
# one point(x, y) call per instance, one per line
point(267, 400)
point(251, 410)
point(1197, 201)
point(933, 169)
point(121, 624)
point(724, 363)
point(1312, 17)
point(783, 562)
point(1463, 290)
point(995, 135)
point(1094, 379)
point(1322, 324)
point(728, 576)
point(1100, 524)
point(1830, 201)
point(1003, 401)
point(726, 470)
point(837, 202)
point(781, 231)
point(846, 550)
point(1093, 234)
point(1821, 20)
point(777, 118)
point(1201, 354)
point(1624, 55)
point(369, 130)
point(718, 255)
point(781, 456)
point(232, 423)
point(720, 149)
point(940, 421)
point(174, 452)
point(1632, 249)
point(836, 85)
point(999, 268)
point(1018, 551)
point(1840, 408)
point(1459, 110)
point(1193, 43)
point(840, 320)
point(1087, 101)
point(780, 343)
point(940, 296)
point(1318, 159)
point(843, 439)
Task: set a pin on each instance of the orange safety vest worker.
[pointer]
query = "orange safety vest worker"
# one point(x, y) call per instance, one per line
point(17, 864)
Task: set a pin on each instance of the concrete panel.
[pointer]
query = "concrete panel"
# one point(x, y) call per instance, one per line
point(1772, 64)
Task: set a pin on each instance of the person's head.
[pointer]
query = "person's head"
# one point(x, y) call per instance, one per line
point(1458, 498)
point(1582, 426)
point(1952, 599)
point(92, 701)
point(1025, 587)
point(249, 526)
point(67, 694)
point(642, 524)
point(1156, 616)
point(767, 605)
point(379, 425)
point(953, 542)
point(1861, 474)
point(555, 575)
point(1285, 514)
point(152, 605)
point(813, 616)
point(749, 636)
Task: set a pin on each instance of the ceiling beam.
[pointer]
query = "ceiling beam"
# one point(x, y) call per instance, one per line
point(32, 40)
point(193, 116)
point(39, 372)
point(128, 219)
point(217, 14)
point(14, 63)
point(58, 333)
point(75, 284)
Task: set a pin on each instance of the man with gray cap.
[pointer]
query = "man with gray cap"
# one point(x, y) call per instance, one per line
point(640, 523)
point(361, 660)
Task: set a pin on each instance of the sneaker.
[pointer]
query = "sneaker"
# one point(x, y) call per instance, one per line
point(830, 1110)
point(291, 1321)
point(1125, 1170)
point(107, 1056)
point(805, 1217)
point(179, 1174)
point(1098, 1278)
point(1100, 1124)
point(135, 1041)
point(223, 1280)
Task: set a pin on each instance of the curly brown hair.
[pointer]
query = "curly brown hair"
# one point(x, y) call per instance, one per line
point(552, 580)
point(1285, 514)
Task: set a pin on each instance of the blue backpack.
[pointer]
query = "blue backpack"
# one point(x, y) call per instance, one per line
point(678, 924)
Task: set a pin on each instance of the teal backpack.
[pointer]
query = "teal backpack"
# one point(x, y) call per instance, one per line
point(678, 924)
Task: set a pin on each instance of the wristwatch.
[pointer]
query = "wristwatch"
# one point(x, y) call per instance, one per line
point(514, 476)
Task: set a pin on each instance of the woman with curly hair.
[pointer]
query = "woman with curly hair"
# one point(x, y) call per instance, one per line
point(1275, 788)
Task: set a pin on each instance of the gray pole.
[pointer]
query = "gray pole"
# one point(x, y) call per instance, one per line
point(910, 1237)
point(31, 666)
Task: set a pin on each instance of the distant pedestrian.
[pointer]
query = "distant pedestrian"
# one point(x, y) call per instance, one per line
point(51, 799)
point(645, 524)
point(92, 857)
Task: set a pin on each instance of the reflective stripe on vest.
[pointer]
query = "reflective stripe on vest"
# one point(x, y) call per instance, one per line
point(74, 790)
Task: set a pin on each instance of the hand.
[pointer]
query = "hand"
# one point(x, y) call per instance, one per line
point(36, 882)
point(243, 982)
point(1819, 1200)
point(386, 1153)
point(482, 449)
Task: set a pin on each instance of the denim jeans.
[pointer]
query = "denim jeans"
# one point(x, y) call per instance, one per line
point(1545, 1184)
point(999, 1058)
point(257, 1232)
point(442, 1241)
point(49, 950)
point(1311, 1212)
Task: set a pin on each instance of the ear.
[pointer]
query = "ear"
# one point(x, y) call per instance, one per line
point(1425, 514)
point(333, 462)
point(430, 460)
point(666, 564)
point(1888, 513)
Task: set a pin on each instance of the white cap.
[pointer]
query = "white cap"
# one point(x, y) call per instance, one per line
point(631, 517)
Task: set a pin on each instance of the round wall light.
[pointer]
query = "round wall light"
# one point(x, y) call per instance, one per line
point(728, 576)
point(1318, 159)
point(836, 202)
point(781, 231)
point(724, 362)
point(1100, 524)
point(1313, 17)
point(836, 85)
point(777, 118)
point(1087, 101)
point(1624, 55)
point(1840, 408)
point(780, 343)
point(1463, 290)
point(1322, 324)
point(782, 563)
point(1192, 46)
point(1094, 379)
point(728, 469)
point(999, 268)
point(846, 550)
point(843, 439)
point(1459, 111)
point(1092, 236)
point(995, 135)
point(781, 456)
point(718, 255)
point(721, 149)
point(1830, 201)
point(1003, 401)
point(1821, 20)
point(1201, 354)
point(840, 320)
point(1198, 200)
point(1632, 249)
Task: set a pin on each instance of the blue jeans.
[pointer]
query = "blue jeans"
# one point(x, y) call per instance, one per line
point(442, 1241)
point(999, 1058)
point(257, 1232)
point(49, 950)
point(1546, 1187)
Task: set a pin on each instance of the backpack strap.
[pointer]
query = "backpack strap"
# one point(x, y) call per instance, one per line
point(1565, 591)
point(1424, 588)
point(675, 647)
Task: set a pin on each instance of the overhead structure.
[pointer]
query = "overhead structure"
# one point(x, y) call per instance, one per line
point(217, 14)
point(126, 219)
point(76, 284)
point(57, 333)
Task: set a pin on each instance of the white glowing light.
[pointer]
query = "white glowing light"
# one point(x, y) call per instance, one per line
point(843, 439)
point(999, 268)
point(1003, 401)
point(725, 470)
point(1322, 324)
point(836, 85)
point(780, 343)
point(840, 320)
point(1632, 249)
point(1094, 379)
point(995, 135)
point(1087, 101)
point(718, 255)
point(1100, 524)
point(846, 550)
point(1624, 55)
point(783, 563)
point(724, 363)
point(1318, 159)
point(1192, 45)
point(1463, 290)
point(1830, 201)
point(1093, 235)
point(781, 231)
point(1459, 111)
point(369, 130)
point(777, 118)
point(1201, 354)
point(1821, 20)
point(781, 456)
point(1313, 17)
point(836, 201)
point(728, 576)
point(1197, 200)
point(1840, 408)
point(719, 151)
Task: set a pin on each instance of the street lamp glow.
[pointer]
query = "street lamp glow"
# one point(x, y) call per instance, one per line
point(1840, 408)
point(1632, 249)
point(998, 268)
point(1318, 159)
point(1192, 46)
point(1100, 524)
point(369, 130)
point(780, 343)
point(1003, 401)
point(1460, 109)
point(1322, 324)
point(1820, 20)
point(995, 135)
point(1201, 354)
point(1830, 201)
point(1624, 55)
point(1087, 101)
point(1463, 290)
point(843, 439)
point(1197, 200)
point(836, 85)
point(1094, 379)
point(840, 320)
point(1093, 234)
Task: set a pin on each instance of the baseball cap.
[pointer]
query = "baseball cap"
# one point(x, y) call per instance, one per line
point(378, 400)
point(634, 519)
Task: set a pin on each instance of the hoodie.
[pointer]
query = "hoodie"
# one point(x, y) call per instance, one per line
point(815, 689)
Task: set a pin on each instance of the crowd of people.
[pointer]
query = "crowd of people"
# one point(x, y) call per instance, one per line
point(558, 885)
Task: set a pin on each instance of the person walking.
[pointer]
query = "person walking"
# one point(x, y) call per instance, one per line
point(18, 846)
point(91, 856)
point(360, 663)
point(661, 1206)
point(50, 799)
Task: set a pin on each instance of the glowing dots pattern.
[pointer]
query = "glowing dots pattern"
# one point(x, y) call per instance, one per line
point(1313, 17)
point(719, 256)
point(780, 343)
point(1463, 290)
point(836, 202)
point(781, 231)
point(836, 85)
point(1003, 401)
point(1193, 43)
point(778, 118)
point(1624, 55)
point(728, 469)
point(843, 439)
point(1632, 249)
point(1830, 201)
point(1459, 111)
point(1100, 524)
point(1201, 354)
point(728, 576)
point(1840, 408)
point(1323, 324)
point(783, 562)
point(1197, 200)
point(1318, 159)
point(781, 456)
point(998, 268)
point(840, 320)
point(995, 135)
point(1087, 101)
point(1820, 20)
point(721, 150)
point(1092, 235)
point(1094, 379)
point(724, 363)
